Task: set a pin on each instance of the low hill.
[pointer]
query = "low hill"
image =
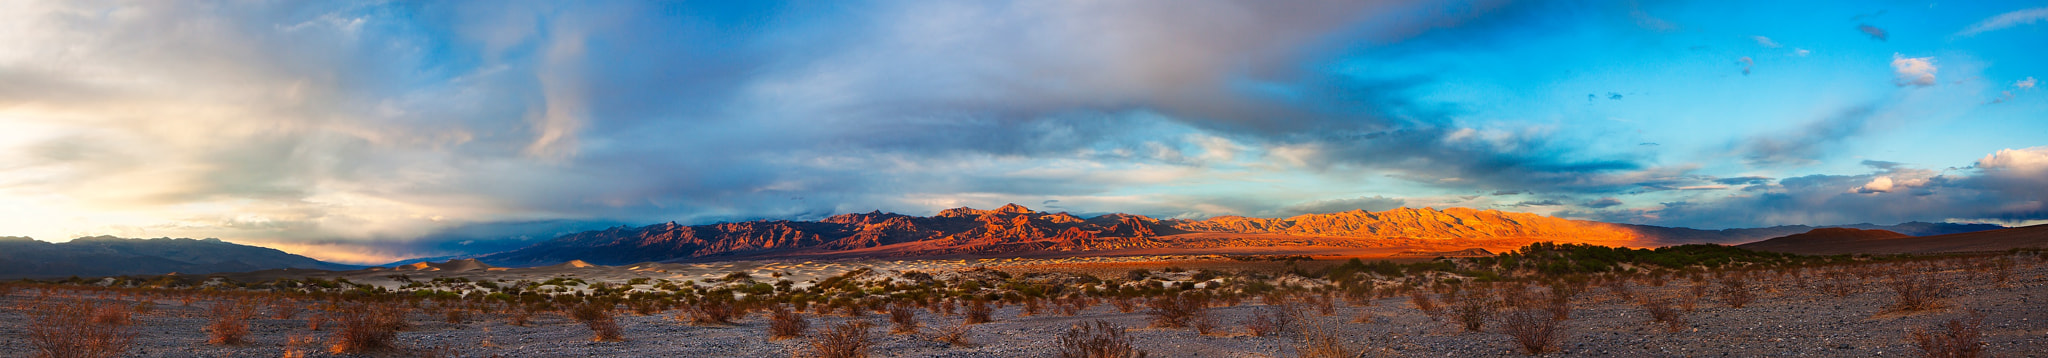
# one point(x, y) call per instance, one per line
point(1836, 241)
point(1667, 236)
point(1822, 241)
point(22, 257)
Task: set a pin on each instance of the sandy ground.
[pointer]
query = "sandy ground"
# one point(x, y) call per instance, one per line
point(1787, 320)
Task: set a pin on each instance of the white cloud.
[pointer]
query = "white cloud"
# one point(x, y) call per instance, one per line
point(2010, 19)
point(1878, 185)
point(1801, 52)
point(2025, 84)
point(1765, 42)
point(2017, 160)
point(1913, 71)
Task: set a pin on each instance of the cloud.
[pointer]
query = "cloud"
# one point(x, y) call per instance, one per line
point(1879, 185)
point(385, 124)
point(2006, 20)
point(1765, 42)
point(2007, 95)
point(1809, 143)
point(1746, 63)
point(1800, 52)
point(1873, 31)
point(1371, 203)
point(1747, 180)
point(2006, 186)
point(1602, 203)
point(1913, 71)
point(1546, 202)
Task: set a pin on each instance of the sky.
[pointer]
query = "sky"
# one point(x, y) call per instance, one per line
point(365, 132)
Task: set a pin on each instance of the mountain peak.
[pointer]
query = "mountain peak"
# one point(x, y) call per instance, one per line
point(1013, 208)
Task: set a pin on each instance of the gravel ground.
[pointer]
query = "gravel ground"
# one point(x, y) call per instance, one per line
point(1785, 321)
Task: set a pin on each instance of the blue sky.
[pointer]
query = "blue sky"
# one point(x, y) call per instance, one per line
point(367, 131)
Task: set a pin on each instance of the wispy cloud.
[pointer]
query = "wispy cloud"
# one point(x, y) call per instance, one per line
point(1808, 144)
point(2021, 85)
point(2006, 20)
point(1765, 42)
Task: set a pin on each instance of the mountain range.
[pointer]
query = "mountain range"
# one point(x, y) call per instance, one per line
point(22, 257)
point(1014, 230)
point(1008, 231)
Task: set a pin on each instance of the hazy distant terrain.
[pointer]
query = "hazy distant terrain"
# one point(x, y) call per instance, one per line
point(22, 257)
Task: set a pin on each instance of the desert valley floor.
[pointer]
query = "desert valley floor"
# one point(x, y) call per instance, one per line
point(1790, 317)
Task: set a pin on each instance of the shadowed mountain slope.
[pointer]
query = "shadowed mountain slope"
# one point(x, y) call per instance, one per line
point(22, 257)
point(1835, 241)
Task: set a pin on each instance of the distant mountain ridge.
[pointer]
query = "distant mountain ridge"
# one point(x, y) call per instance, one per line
point(1017, 229)
point(1679, 235)
point(22, 257)
point(1831, 241)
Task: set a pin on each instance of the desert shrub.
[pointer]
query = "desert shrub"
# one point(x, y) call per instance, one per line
point(1735, 290)
point(145, 307)
point(1320, 344)
point(1177, 311)
point(955, 335)
point(1957, 338)
point(1558, 301)
point(315, 321)
point(227, 322)
point(2001, 270)
point(598, 317)
point(645, 307)
point(1660, 311)
point(1098, 339)
point(1071, 306)
point(454, 316)
point(845, 340)
point(1918, 292)
point(520, 316)
point(73, 330)
point(1425, 304)
point(1472, 308)
point(1125, 305)
point(1324, 305)
point(1619, 288)
point(784, 324)
point(285, 309)
point(1032, 306)
point(366, 328)
point(712, 311)
point(904, 319)
point(295, 344)
point(1536, 331)
point(1271, 320)
point(111, 314)
point(978, 312)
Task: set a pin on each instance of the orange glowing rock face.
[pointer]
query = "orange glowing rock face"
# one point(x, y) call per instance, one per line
point(1014, 230)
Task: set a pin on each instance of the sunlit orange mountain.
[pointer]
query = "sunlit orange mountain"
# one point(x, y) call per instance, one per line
point(1014, 230)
